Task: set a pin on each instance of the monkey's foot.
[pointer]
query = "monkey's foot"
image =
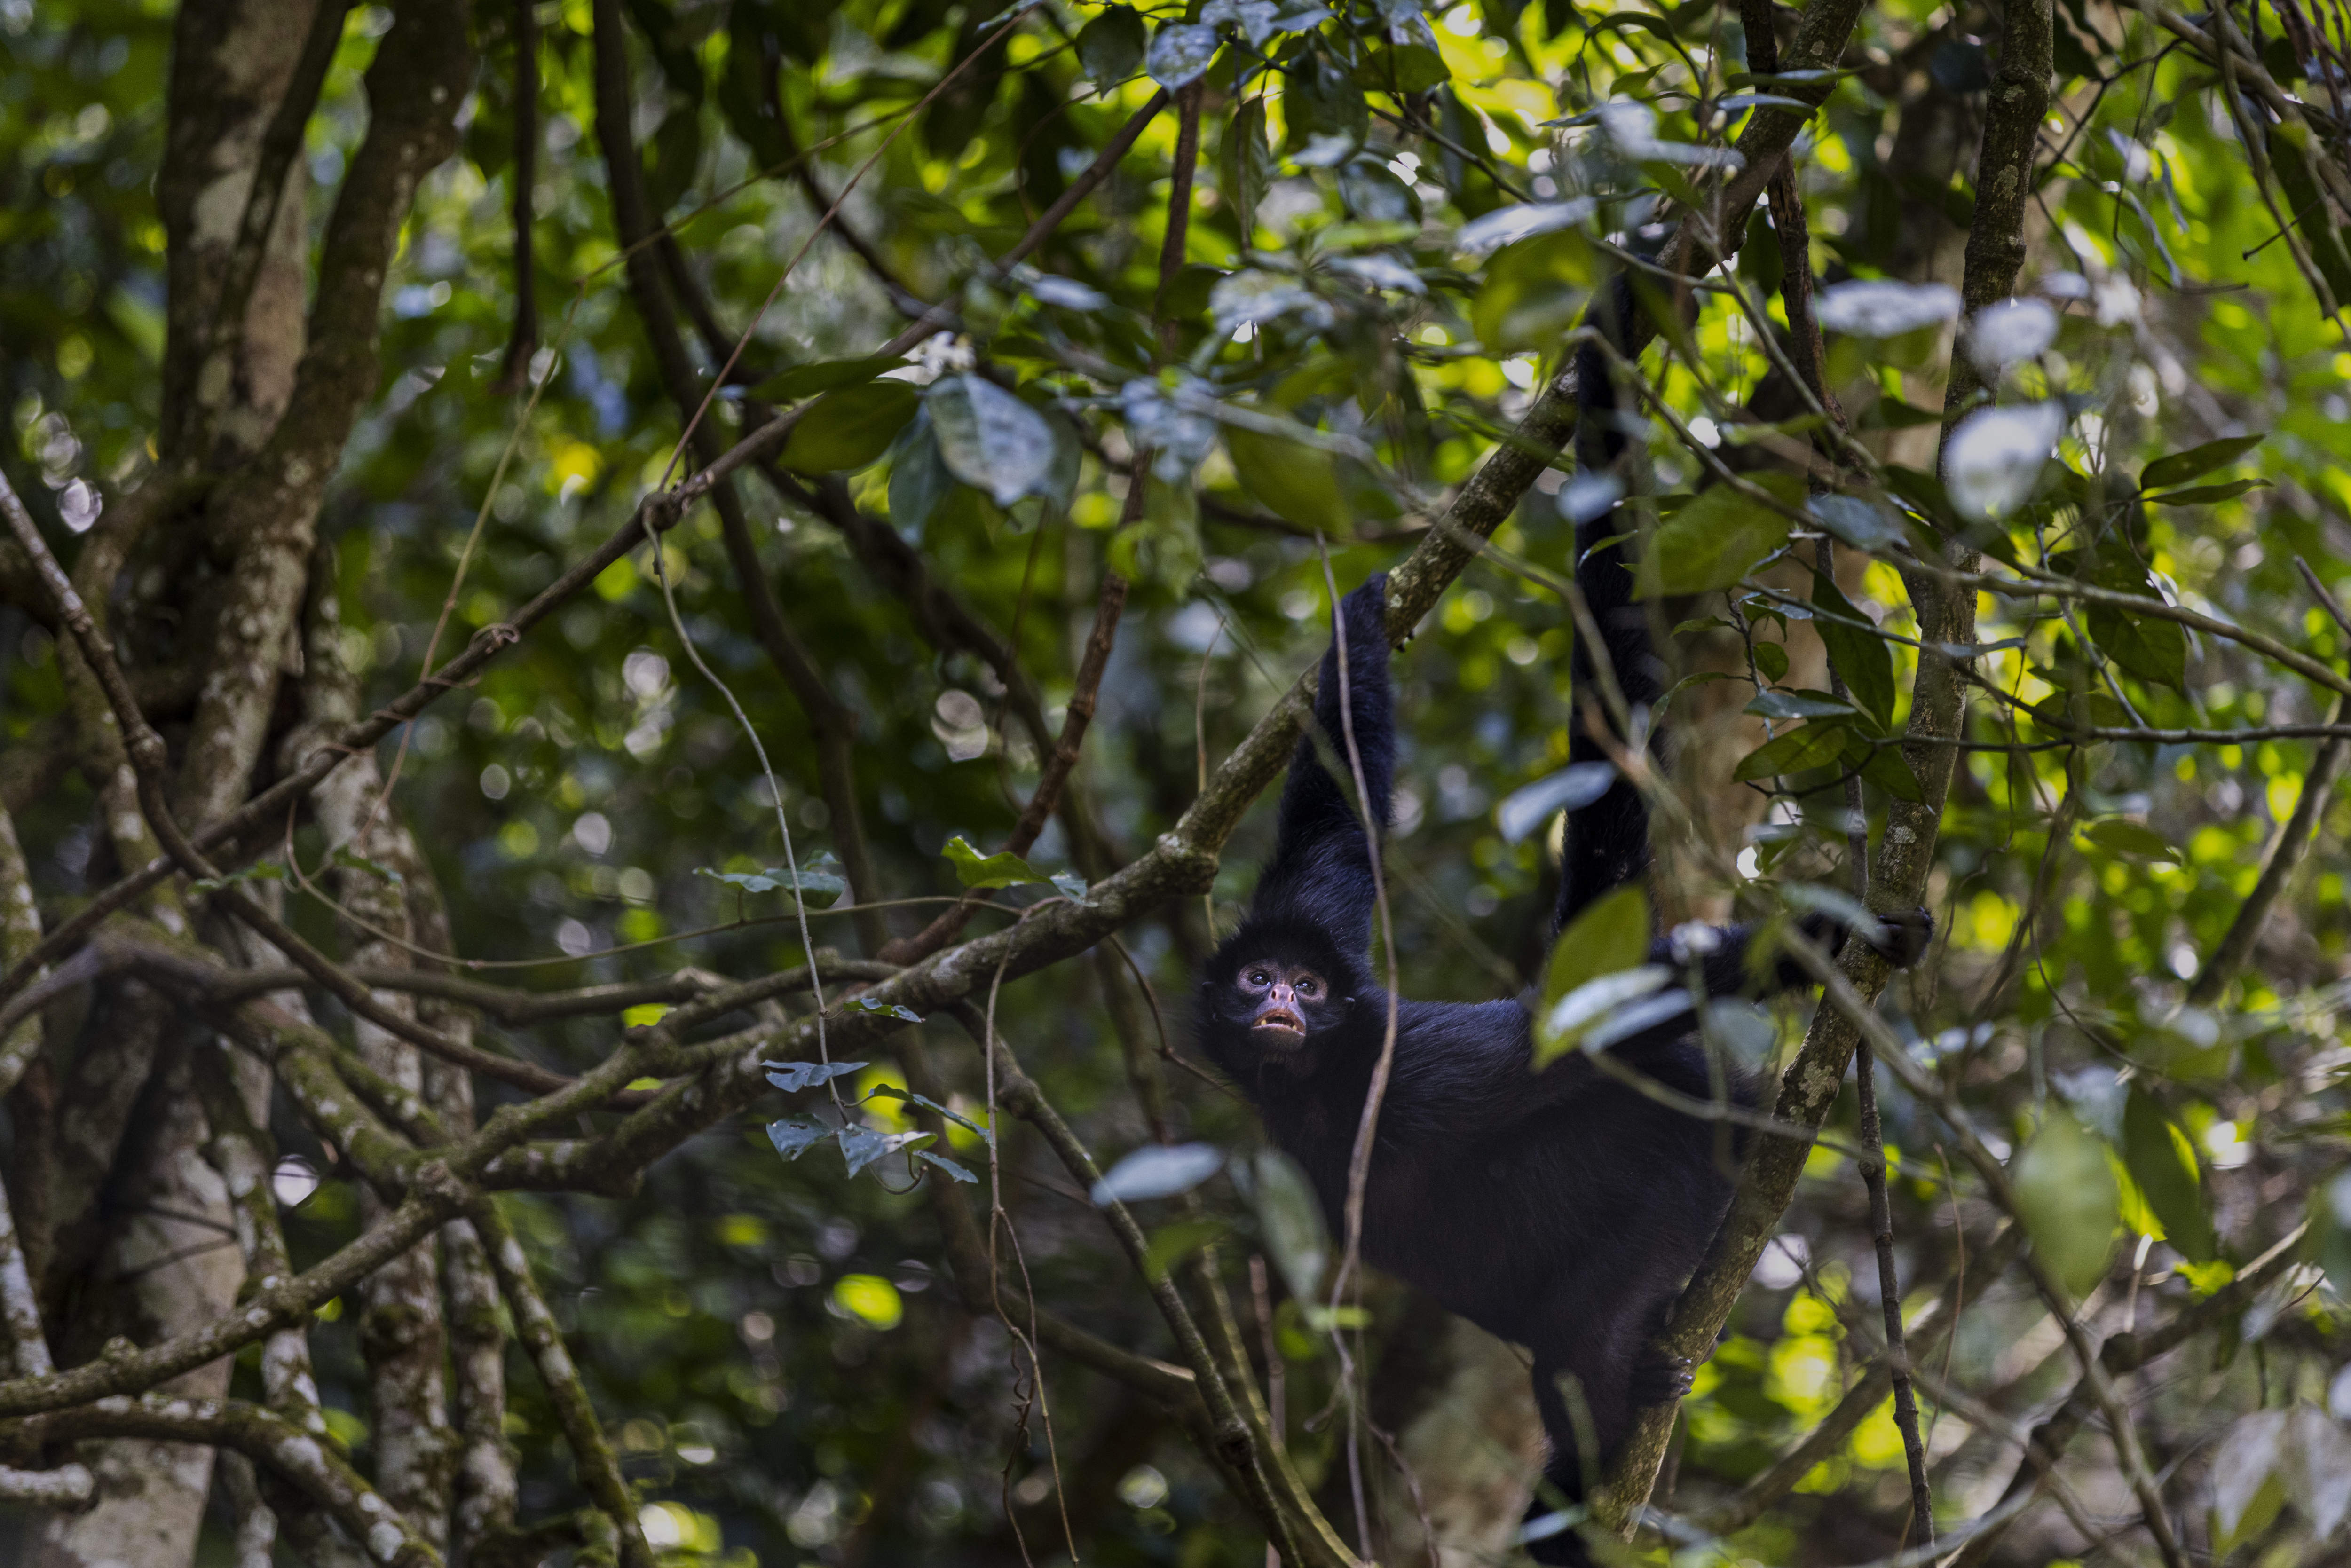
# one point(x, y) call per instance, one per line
point(1663, 1382)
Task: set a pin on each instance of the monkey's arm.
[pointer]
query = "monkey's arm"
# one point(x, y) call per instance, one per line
point(1465, 1069)
point(1321, 872)
point(1726, 958)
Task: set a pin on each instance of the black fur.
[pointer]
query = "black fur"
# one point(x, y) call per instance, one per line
point(1562, 1210)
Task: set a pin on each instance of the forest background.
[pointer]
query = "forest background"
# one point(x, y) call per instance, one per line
point(596, 592)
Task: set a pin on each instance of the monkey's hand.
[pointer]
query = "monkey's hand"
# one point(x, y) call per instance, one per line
point(1903, 937)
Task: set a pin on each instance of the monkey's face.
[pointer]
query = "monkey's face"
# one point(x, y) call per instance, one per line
point(1282, 1003)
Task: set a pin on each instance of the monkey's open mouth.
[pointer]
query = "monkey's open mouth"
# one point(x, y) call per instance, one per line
point(1280, 1023)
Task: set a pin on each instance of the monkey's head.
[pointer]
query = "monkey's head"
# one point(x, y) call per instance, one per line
point(1272, 988)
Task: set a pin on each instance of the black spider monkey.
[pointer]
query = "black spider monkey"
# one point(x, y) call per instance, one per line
point(1563, 1210)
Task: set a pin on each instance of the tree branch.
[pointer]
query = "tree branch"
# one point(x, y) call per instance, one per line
point(314, 1467)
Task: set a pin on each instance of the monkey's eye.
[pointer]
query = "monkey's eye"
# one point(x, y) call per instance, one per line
point(1259, 977)
point(1306, 985)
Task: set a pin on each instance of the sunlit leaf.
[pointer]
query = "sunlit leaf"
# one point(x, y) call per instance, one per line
point(2202, 494)
point(823, 376)
point(973, 869)
point(1712, 543)
point(2067, 1195)
point(1609, 938)
point(2162, 1164)
point(845, 429)
point(1800, 750)
point(1171, 1244)
point(1860, 656)
point(2182, 466)
point(2124, 837)
point(1293, 481)
point(1110, 47)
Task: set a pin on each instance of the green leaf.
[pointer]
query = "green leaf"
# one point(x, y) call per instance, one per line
point(1401, 68)
point(1289, 1218)
point(1171, 1244)
point(823, 376)
point(1816, 745)
point(677, 155)
point(1858, 521)
point(1611, 938)
point(2162, 1162)
point(1712, 543)
point(919, 484)
point(1296, 482)
point(991, 440)
point(1004, 869)
point(888, 1009)
point(1798, 705)
point(259, 871)
point(1319, 100)
point(1924, 493)
point(792, 1077)
point(821, 877)
point(1247, 162)
point(861, 1146)
point(2247, 1486)
point(891, 1091)
point(1534, 288)
point(796, 1135)
point(1890, 771)
point(1771, 658)
point(2124, 837)
point(1110, 47)
point(849, 428)
point(351, 859)
point(947, 1164)
point(2202, 494)
point(1861, 657)
point(2181, 467)
point(2149, 647)
point(1893, 413)
point(2067, 1195)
